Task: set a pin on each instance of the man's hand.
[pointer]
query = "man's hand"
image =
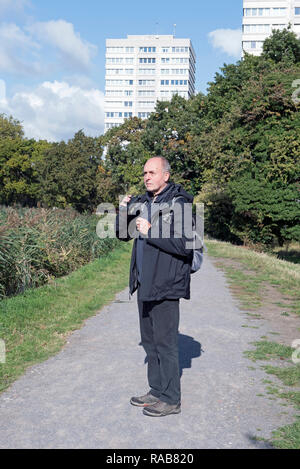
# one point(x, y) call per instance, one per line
point(143, 225)
point(126, 200)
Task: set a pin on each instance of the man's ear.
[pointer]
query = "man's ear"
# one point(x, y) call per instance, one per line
point(167, 177)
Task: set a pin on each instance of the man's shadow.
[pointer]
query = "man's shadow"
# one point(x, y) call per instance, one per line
point(188, 348)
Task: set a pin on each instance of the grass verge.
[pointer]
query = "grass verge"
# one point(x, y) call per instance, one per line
point(288, 374)
point(266, 268)
point(249, 273)
point(35, 324)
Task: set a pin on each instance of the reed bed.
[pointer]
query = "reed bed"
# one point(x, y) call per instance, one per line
point(37, 245)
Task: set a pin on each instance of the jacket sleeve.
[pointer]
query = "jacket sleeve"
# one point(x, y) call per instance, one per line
point(121, 224)
point(124, 229)
point(177, 242)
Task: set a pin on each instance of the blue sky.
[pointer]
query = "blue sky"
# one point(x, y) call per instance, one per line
point(52, 53)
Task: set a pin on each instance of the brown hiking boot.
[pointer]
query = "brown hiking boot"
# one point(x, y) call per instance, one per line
point(160, 409)
point(144, 401)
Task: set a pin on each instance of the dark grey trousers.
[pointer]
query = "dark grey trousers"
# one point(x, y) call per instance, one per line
point(159, 322)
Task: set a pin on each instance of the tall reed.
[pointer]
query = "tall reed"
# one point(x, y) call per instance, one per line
point(38, 244)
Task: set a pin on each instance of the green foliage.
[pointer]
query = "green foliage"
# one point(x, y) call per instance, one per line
point(282, 46)
point(264, 211)
point(67, 173)
point(236, 148)
point(18, 176)
point(38, 244)
point(125, 157)
point(10, 127)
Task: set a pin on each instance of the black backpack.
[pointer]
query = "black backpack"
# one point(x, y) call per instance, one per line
point(198, 252)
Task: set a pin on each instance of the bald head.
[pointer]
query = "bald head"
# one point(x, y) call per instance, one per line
point(156, 174)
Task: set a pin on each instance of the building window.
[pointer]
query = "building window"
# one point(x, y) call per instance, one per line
point(147, 60)
point(297, 11)
point(146, 103)
point(128, 93)
point(127, 114)
point(143, 115)
point(146, 82)
point(128, 82)
point(147, 71)
point(113, 114)
point(113, 103)
point(178, 82)
point(252, 45)
point(179, 71)
point(114, 93)
point(147, 49)
point(279, 26)
point(114, 60)
point(128, 71)
point(180, 60)
point(146, 93)
point(115, 50)
point(183, 94)
point(278, 11)
point(114, 71)
point(165, 50)
point(111, 125)
point(128, 103)
point(129, 50)
point(257, 11)
point(256, 28)
point(165, 60)
point(113, 82)
point(180, 49)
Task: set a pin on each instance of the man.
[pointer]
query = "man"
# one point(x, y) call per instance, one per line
point(160, 272)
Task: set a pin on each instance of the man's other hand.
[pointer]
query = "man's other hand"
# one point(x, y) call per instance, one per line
point(143, 225)
point(126, 200)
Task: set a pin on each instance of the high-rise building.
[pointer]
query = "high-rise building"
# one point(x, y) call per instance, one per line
point(260, 17)
point(141, 70)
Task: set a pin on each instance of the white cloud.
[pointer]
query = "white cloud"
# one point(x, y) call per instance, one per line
point(228, 40)
point(61, 35)
point(3, 101)
point(29, 51)
point(17, 51)
point(56, 110)
point(14, 5)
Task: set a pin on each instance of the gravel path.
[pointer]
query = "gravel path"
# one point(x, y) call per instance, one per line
point(80, 397)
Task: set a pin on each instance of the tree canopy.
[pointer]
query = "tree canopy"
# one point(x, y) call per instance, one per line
point(237, 149)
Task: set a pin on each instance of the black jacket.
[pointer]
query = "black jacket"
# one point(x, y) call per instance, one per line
point(166, 261)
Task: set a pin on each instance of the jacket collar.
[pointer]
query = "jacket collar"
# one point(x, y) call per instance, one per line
point(168, 193)
point(161, 196)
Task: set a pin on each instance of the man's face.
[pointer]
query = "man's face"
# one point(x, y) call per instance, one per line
point(155, 178)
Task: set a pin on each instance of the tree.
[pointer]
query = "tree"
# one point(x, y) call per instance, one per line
point(51, 175)
point(67, 174)
point(10, 128)
point(282, 46)
point(122, 168)
point(265, 211)
point(18, 176)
